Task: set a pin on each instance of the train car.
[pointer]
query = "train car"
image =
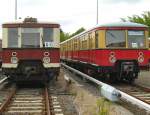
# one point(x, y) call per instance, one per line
point(0, 53)
point(149, 49)
point(30, 50)
point(115, 51)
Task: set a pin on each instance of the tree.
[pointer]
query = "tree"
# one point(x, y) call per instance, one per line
point(143, 19)
point(78, 31)
point(64, 36)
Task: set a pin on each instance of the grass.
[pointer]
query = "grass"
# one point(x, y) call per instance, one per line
point(103, 106)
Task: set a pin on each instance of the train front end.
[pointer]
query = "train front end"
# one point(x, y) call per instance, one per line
point(31, 50)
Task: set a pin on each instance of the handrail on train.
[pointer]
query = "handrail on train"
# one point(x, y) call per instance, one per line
point(4, 79)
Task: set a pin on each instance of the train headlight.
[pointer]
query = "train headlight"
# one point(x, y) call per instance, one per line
point(46, 53)
point(140, 59)
point(46, 60)
point(14, 60)
point(14, 53)
point(112, 58)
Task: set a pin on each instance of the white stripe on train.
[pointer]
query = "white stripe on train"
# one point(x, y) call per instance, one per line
point(10, 65)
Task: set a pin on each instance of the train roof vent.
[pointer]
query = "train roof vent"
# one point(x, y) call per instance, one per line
point(30, 20)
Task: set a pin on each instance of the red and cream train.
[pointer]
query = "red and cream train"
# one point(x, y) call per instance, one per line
point(30, 50)
point(115, 51)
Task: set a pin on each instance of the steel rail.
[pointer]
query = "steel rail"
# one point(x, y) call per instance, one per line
point(47, 101)
point(4, 79)
point(124, 95)
point(5, 104)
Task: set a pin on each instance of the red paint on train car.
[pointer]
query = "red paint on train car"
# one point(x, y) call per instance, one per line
point(101, 56)
point(24, 54)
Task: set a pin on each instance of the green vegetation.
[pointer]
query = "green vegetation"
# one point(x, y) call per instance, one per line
point(103, 106)
point(143, 19)
point(78, 31)
point(64, 36)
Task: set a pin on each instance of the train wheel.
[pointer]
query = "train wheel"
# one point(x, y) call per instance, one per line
point(131, 77)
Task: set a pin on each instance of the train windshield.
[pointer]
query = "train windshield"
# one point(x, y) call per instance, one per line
point(48, 37)
point(136, 39)
point(13, 37)
point(115, 38)
point(30, 37)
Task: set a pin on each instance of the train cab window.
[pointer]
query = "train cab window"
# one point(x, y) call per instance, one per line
point(48, 34)
point(115, 38)
point(136, 39)
point(30, 37)
point(12, 37)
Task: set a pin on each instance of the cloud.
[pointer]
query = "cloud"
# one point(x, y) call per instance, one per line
point(73, 14)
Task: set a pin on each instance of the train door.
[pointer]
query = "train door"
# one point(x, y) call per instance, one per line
point(90, 48)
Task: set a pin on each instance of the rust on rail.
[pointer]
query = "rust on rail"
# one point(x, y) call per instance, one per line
point(142, 87)
point(47, 102)
point(5, 104)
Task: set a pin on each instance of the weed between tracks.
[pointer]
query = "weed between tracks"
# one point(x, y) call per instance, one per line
point(103, 106)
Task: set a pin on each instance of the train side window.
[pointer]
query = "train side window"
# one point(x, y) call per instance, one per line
point(84, 42)
point(75, 44)
point(115, 38)
point(78, 43)
point(70, 45)
point(90, 40)
point(12, 37)
point(96, 39)
point(81, 41)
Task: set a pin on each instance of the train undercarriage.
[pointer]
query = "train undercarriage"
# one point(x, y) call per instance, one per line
point(31, 70)
point(122, 70)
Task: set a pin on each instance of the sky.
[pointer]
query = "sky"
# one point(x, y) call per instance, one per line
point(72, 14)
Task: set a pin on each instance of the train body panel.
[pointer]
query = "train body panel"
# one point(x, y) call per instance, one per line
point(103, 57)
point(26, 54)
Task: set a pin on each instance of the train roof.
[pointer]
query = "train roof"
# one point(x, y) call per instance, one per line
point(30, 22)
point(123, 24)
point(112, 25)
point(20, 22)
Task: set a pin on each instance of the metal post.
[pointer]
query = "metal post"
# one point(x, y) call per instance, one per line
point(15, 9)
point(97, 13)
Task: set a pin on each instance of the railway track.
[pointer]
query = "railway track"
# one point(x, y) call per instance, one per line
point(5, 88)
point(4, 92)
point(29, 101)
point(136, 91)
point(3, 80)
point(137, 95)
